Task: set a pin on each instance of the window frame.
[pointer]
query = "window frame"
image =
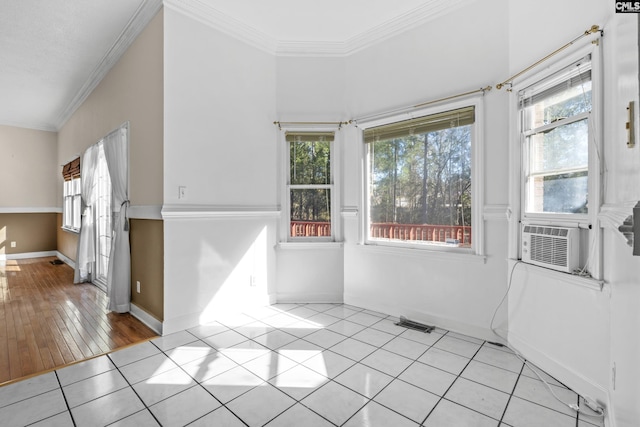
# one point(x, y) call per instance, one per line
point(554, 218)
point(286, 186)
point(477, 176)
point(591, 247)
point(71, 198)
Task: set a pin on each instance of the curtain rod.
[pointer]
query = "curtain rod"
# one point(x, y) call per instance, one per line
point(423, 104)
point(592, 30)
point(280, 124)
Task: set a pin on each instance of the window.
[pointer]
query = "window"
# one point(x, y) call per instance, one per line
point(71, 193)
point(419, 179)
point(310, 184)
point(555, 116)
point(102, 218)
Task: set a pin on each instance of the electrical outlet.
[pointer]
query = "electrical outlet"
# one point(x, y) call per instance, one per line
point(13, 244)
point(252, 280)
point(138, 286)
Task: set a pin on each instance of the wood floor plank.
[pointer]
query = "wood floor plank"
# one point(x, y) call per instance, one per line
point(47, 322)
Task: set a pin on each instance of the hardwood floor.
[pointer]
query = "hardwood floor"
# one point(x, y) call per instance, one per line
point(47, 322)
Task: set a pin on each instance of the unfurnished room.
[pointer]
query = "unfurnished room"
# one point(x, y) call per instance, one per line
point(294, 213)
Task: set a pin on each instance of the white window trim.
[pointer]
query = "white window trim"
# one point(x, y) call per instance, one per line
point(477, 176)
point(65, 214)
point(285, 201)
point(596, 179)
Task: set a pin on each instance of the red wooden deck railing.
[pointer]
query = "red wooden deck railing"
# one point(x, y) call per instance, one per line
point(388, 230)
point(310, 228)
point(423, 232)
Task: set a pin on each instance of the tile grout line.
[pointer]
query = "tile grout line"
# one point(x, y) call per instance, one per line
point(134, 391)
point(65, 399)
point(511, 395)
point(451, 385)
point(394, 378)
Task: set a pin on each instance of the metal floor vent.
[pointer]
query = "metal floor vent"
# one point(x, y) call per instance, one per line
point(404, 322)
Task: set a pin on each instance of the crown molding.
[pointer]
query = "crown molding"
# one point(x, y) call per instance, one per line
point(48, 127)
point(143, 15)
point(426, 12)
point(202, 12)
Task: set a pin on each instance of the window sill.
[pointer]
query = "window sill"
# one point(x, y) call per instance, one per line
point(446, 253)
point(572, 279)
point(71, 230)
point(307, 245)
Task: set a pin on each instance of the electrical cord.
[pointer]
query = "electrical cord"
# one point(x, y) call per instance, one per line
point(598, 411)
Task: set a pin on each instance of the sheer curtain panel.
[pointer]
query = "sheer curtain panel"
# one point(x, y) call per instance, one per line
point(119, 273)
point(86, 242)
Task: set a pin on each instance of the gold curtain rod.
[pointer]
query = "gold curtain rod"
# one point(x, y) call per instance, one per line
point(592, 30)
point(340, 124)
point(460, 95)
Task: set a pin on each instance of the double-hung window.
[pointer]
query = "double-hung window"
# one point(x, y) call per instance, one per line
point(556, 114)
point(71, 194)
point(310, 185)
point(419, 177)
point(560, 155)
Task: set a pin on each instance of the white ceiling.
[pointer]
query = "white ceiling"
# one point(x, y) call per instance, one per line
point(54, 52)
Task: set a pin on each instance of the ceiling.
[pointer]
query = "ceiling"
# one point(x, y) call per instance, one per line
point(53, 53)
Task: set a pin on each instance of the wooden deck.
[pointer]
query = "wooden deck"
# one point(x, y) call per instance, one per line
point(47, 322)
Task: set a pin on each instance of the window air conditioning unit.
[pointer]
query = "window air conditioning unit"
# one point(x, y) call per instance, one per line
point(552, 247)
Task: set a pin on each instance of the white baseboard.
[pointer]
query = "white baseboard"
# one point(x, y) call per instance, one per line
point(449, 324)
point(25, 255)
point(568, 376)
point(301, 297)
point(146, 318)
point(71, 263)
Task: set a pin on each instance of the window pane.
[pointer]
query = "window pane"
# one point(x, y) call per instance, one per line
point(77, 217)
point(573, 101)
point(565, 147)
point(310, 212)
point(68, 212)
point(560, 193)
point(310, 162)
point(420, 187)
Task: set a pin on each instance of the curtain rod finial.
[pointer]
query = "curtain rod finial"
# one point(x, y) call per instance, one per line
point(593, 29)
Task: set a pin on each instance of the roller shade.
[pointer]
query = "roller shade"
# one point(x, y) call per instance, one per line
point(309, 136)
point(71, 170)
point(434, 122)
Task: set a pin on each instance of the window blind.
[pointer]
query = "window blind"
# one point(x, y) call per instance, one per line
point(575, 75)
point(71, 170)
point(431, 123)
point(309, 136)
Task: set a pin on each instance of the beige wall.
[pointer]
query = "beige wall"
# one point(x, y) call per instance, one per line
point(147, 265)
point(131, 91)
point(67, 241)
point(28, 168)
point(32, 232)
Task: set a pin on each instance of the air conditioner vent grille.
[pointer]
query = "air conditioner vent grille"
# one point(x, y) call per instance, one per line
point(549, 250)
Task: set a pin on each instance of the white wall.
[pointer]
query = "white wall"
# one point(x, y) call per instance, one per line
point(576, 332)
point(445, 57)
point(311, 89)
point(220, 143)
point(622, 270)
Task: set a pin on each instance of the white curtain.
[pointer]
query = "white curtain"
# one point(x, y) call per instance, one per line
point(119, 273)
point(86, 254)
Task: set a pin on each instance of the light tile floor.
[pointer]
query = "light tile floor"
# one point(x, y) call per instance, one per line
point(296, 365)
